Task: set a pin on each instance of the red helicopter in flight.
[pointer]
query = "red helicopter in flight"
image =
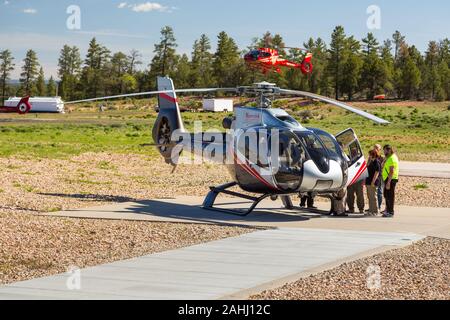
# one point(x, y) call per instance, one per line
point(267, 59)
point(23, 107)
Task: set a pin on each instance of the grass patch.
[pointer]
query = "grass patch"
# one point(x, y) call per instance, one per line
point(88, 182)
point(417, 130)
point(421, 186)
point(106, 165)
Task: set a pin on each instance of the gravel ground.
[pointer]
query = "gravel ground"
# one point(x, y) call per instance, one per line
point(419, 272)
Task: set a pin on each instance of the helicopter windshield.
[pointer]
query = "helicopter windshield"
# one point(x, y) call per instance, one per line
point(316, 150)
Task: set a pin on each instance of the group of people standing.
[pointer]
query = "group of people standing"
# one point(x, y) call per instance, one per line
point(383, 173)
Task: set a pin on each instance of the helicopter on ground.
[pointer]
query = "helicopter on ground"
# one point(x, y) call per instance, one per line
point(266, 151)
point(268, 59)
point(23, 107)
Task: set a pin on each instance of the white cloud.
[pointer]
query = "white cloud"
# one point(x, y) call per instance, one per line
point(149, 6)
point(6, 2)
point(145, 7)
point(30, 11)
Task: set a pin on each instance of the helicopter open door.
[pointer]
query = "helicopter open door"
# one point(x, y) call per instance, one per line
point(357, 165)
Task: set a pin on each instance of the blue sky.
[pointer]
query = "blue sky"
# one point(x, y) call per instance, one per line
point(124, 25)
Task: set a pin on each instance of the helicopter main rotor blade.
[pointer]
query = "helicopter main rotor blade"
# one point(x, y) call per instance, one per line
point(337, 104)
point(151, 93)
point(295, 48)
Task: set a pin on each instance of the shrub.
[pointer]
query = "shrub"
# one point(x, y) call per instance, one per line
point(306, 115)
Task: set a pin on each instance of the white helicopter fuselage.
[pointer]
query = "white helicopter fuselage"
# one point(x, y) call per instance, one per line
point(323, 166)
point(265, 149)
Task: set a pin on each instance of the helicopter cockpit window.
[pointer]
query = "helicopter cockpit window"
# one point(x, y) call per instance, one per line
point(355, 152)
point(265, 55)
point(255, 53)
point(350, 145)
point(316, 150)
point(288, 119)
point(330, 143)
point(291, 157)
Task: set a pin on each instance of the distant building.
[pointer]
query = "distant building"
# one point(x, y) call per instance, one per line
point(40, 104)
point(218, 105)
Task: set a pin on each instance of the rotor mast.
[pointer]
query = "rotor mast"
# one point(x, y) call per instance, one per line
point(264, 91)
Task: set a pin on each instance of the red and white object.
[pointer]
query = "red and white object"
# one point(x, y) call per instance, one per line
point(40, 104)
point(21, 106)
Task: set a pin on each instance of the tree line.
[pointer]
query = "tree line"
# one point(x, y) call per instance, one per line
point(347, 68)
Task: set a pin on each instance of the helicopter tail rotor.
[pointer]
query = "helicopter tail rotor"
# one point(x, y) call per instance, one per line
point(306, 66)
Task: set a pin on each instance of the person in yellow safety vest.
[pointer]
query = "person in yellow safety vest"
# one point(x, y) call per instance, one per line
point(390, 175)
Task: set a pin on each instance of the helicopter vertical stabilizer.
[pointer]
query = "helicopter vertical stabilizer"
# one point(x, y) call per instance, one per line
point(169, 118)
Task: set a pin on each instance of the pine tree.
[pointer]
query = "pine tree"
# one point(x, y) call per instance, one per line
point(51, 87)
point(118, 67)
point(93, 75)
point(432, 82)
point(443, 92)
point(444, 67)
point(388, 62)
point(279, 44)
point(335, 62)
point(40, 84)
point(134, 60)
point(183, 72)
point(374, 73)
point(69, 69)
point(411, 78)
point(444, 50)
point(29, 73)
point(202, 63)
point(163, 62)
point(399, 41)
point(225, 58)
point(6, 66)
point(419, 61)
point(351, 67)
point(370, 44)
point(266, 41)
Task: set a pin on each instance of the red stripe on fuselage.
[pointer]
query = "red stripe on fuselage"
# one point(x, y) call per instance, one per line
point(360, 172)
point(253, 172)
point(167, 97)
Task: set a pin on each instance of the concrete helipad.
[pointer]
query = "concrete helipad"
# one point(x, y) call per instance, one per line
point(297, 244)
point(425, 169)
point(424, 221)
point(229, 268)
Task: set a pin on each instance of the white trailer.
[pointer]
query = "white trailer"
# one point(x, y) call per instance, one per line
point(218, 105)
point(40, 104)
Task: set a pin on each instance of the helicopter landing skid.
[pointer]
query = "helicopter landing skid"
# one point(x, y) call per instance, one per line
point(210, 200)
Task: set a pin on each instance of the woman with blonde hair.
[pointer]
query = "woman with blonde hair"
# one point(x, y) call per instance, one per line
point(373, 182)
